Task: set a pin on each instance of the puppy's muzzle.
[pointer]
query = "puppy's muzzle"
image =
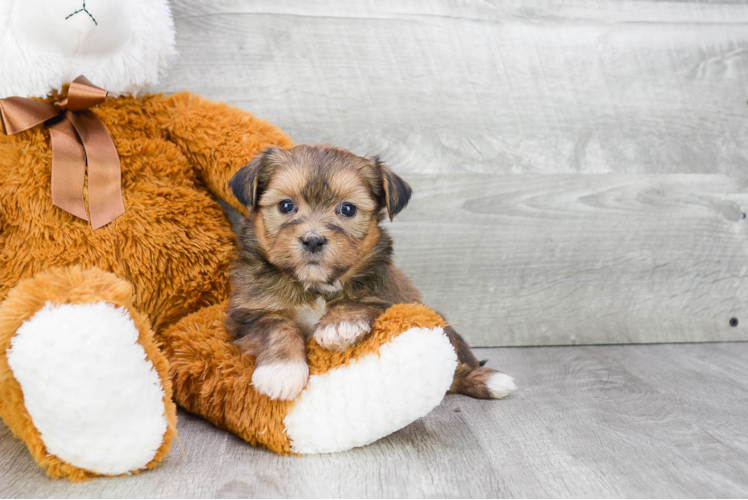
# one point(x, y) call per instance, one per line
point(313, 242)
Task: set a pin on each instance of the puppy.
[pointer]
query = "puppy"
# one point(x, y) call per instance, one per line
point(314, 261)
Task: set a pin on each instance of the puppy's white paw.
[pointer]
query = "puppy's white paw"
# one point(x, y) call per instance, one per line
point(280, 380)
point(340, 336)
point(500, 385)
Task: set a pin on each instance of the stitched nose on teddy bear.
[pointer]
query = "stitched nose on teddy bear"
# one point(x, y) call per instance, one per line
point(83, 9)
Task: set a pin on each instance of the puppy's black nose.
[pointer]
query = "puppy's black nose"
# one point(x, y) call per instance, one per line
point(313, 243)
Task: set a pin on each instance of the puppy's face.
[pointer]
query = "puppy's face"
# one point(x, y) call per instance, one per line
point(316, 209)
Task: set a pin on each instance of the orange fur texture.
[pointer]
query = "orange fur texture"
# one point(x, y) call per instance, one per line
point(174, 243)
point(70, 285)
point(172, 248)
point(165, 260)
point(212, 379)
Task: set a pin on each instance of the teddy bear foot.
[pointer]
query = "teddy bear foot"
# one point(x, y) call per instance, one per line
point(374, 394)
point(82, 380)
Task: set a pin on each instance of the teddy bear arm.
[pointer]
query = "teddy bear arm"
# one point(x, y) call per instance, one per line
point(219, 139)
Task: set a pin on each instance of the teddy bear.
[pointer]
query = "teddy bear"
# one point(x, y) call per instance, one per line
point(114, 259)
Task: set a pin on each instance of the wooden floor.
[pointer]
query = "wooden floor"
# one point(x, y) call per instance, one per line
point(593, 421)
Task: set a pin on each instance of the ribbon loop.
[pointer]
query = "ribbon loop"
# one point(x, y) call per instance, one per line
point(18, 114)
point(79, 139)
point(84, 94)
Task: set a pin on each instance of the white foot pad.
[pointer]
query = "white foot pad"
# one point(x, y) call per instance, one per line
point(373, 396)
point(92, 395)
point(280, 380)
point(500, 385)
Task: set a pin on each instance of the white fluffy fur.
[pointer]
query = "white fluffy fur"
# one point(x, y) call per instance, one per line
point(95, 399)
point(500, 385)
point(308, 315)
point(281, 380)
point(340, 336)
point(130, 48)
point(370, 398)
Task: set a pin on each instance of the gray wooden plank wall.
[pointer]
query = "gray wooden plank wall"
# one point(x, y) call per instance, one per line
point(580, 168)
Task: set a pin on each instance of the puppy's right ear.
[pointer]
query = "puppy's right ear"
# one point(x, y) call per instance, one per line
point(246, 182)
point(395, 191)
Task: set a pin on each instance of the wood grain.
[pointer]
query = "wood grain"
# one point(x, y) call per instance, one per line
point(596, 87)
point(580, 168)
point(658, 421)
point(570, 259)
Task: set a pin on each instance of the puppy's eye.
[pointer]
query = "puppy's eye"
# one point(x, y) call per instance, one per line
point(347, 210)
point(286, 207)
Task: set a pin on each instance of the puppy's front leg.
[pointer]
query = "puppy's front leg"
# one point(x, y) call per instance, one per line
point(281, 371)
point(344, 325)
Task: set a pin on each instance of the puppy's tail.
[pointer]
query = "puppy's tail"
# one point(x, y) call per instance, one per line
point(481, 382)
point(474, 379)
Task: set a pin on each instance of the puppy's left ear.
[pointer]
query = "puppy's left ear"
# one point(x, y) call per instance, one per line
point(245, 184)
point(396, 191)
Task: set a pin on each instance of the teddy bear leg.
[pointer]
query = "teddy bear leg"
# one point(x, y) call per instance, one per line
point(82, 381)
point(396, 375)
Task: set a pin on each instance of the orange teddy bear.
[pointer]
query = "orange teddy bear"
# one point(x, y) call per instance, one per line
point(112, 242)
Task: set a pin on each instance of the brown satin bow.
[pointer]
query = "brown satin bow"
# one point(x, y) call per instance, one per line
point(78, 138)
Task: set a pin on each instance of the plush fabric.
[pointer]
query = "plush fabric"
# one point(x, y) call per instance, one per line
point(212, 379)
point(171, 249)
point(121, 46)
point(168, 256)
point(174, 243)
point(57, 287)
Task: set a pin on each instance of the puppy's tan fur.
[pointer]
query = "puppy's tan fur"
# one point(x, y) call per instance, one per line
point(283, 292)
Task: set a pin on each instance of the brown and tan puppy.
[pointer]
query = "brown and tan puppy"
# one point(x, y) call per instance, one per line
point(314, 261)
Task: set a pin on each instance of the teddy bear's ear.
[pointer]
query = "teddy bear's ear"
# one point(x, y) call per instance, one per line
point(246, 183)
point(395, 191)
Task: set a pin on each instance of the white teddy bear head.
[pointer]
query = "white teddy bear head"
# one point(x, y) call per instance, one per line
point(121, 46)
